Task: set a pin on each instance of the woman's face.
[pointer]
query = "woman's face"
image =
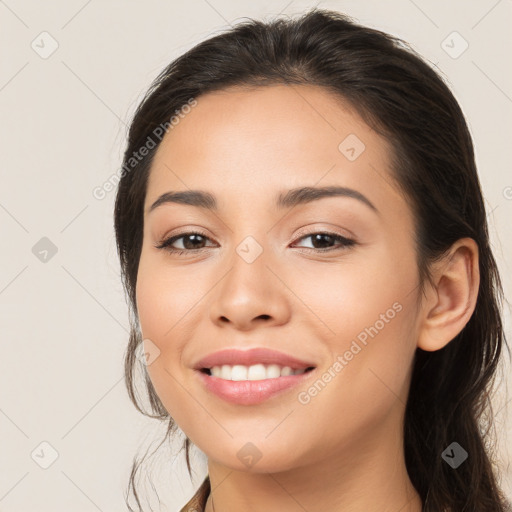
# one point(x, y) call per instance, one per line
point(265, 275)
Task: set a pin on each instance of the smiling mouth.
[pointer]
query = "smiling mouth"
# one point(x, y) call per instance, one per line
point(253, 372)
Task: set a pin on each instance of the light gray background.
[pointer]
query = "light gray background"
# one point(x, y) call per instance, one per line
point(63, 123)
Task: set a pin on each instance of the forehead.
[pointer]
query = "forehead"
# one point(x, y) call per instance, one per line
point(243, 141)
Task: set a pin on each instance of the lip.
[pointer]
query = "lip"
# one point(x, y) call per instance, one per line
point(250, 357)
point(251, 392)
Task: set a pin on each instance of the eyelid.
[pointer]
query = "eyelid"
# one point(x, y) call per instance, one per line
point(312, 229)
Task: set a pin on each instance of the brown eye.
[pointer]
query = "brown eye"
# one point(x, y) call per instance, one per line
point(190, 242)
point(323, 241)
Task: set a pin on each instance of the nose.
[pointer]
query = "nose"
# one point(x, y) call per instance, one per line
point(250, 295)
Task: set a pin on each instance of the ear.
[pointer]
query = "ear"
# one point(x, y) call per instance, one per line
point(452, 300)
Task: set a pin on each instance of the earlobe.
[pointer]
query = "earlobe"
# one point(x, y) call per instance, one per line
point(452, 301)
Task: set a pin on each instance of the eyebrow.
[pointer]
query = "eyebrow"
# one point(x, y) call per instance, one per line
point(291, 198)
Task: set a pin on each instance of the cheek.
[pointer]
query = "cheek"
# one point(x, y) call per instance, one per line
point(367, 311)
point(367, 374)
point(169, 307)
point(165, 299)
point(158, 312)
point(348, 296)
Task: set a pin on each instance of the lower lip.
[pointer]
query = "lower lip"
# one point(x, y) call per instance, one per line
point(251, 392)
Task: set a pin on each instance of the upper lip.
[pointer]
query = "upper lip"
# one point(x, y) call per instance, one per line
point(248, 357)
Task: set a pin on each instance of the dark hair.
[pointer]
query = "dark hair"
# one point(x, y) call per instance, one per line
point(398, 94)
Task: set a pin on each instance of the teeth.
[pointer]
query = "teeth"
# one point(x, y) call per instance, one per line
point(255, 372)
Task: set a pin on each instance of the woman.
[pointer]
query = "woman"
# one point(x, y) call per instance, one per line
point(304, 246)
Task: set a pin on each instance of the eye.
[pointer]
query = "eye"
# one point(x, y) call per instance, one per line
point(324, 240)
point(191, 241)
point(194, 241)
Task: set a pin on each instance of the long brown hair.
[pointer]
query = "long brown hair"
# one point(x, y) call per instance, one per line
point(401, 96)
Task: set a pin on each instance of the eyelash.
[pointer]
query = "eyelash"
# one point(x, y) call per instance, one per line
point(166, 244)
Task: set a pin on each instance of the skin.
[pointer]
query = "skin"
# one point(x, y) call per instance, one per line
point(343, 450)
